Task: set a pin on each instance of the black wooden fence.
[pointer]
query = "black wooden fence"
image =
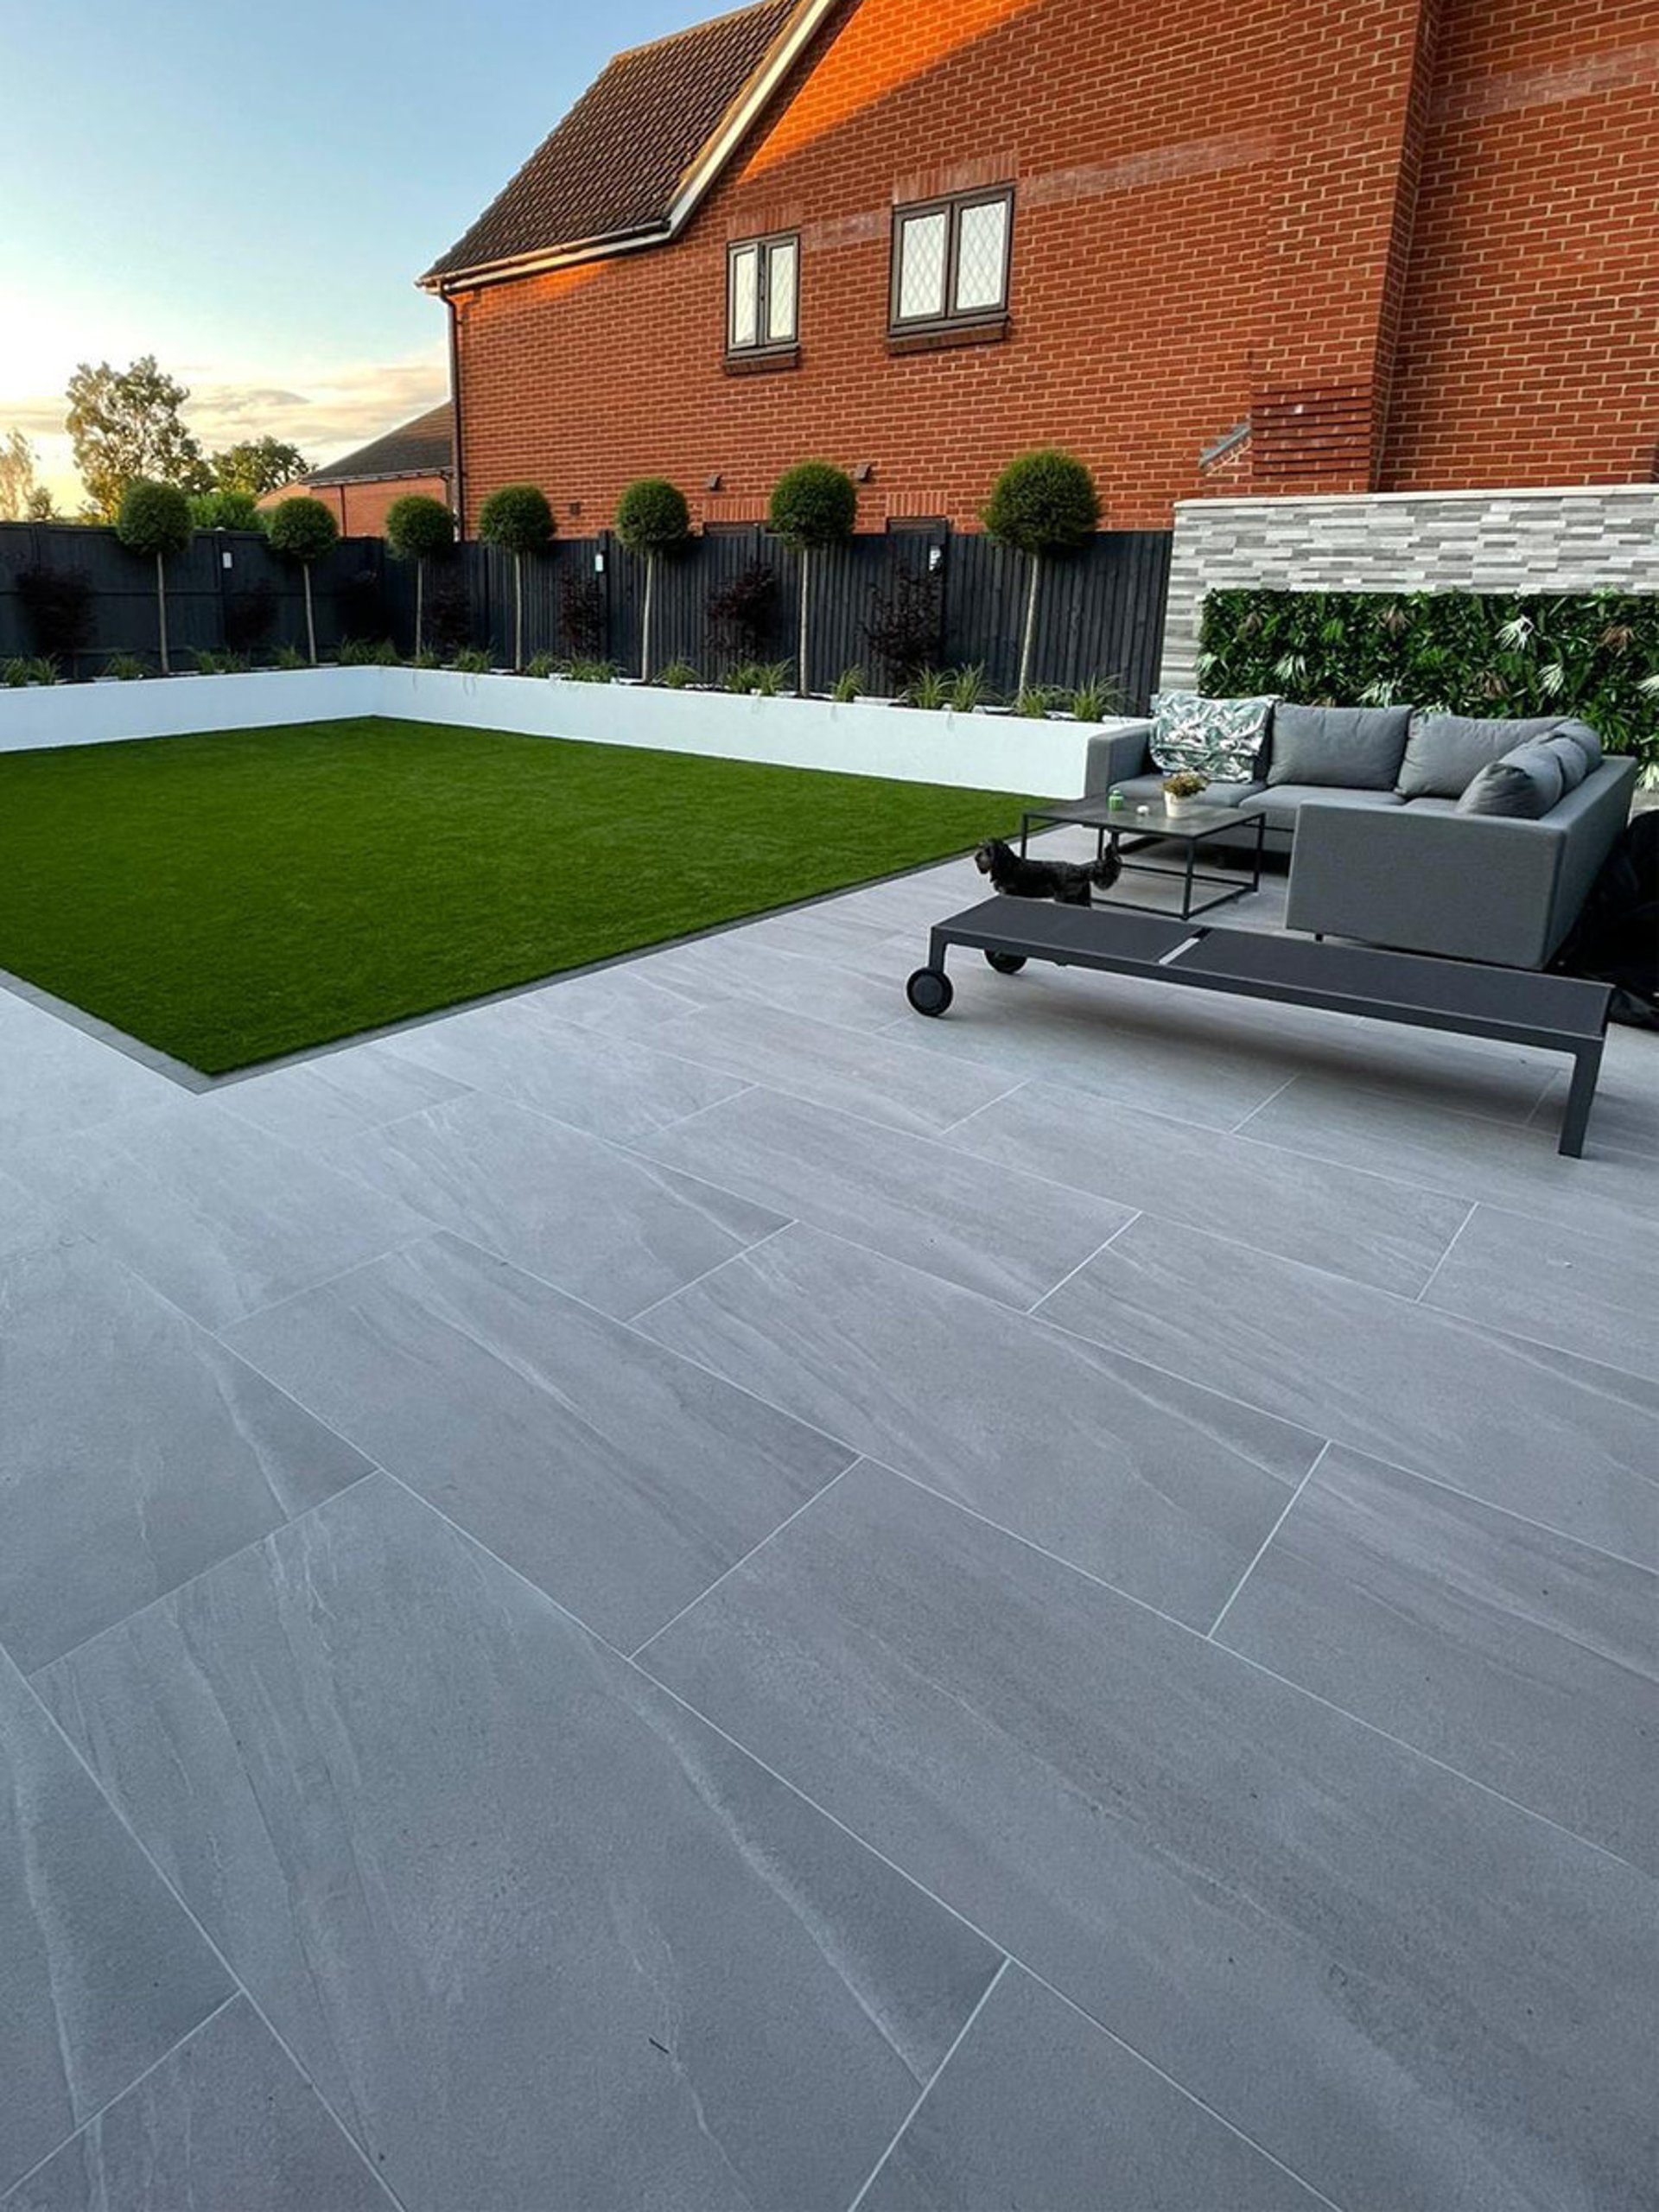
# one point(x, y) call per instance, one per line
point(1101, 611)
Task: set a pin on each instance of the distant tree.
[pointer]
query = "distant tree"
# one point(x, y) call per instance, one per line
point(1042, 504)
point(418, 526)
point(125, 423)
point(518, 519)
point(258, 465)
point(814, 505)
point(652, 518)
point(153, 519)
point(18, 488)
point(41, 506)
point(303, 529)
point(225, 510)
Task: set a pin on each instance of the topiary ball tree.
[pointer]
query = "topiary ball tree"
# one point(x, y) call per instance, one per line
point(652, 518)
point(1043, 503)
point(813, 504)
point(418, 526)
point(303, 529)
point(153, 521)
point(518, 519)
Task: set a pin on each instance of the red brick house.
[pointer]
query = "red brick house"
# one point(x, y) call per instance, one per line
point(419, 456)
point(1388, 244)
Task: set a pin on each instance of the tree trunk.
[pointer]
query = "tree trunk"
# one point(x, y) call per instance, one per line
point(644, 622)
point(420, 589)
point(161, 610)
point(518, 613)
point(1028, 644)
point(310, 625)
point(804, 662)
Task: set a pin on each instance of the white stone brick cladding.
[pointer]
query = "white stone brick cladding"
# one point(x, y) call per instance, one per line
point(1568, 540)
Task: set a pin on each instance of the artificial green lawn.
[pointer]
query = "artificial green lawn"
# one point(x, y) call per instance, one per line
point(234, 896)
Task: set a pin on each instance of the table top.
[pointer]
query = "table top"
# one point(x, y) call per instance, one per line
point(1156, 822)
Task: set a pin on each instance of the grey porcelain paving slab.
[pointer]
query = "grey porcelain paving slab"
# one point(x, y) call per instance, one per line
point(619, 1478)
point(53, 1077)
point(591, 1079)
point(1562, 1440)
point(336, 1095)
point(1590, 1291)
point(1160, 1486)
point(628, 1000)
point(1419, 1998)
point(1389, 1234)
point(596, 1221)
point(1517, 1168)
point(225, 2121)
point(100, 1972)
point(735, 966)
point(135, 1450)
point(872, 1075)
point(1514, 1655)
point(988, 1227)
point(220, 1217)
point(24, 1221)
point(541, 1938)
point(1038, 2108)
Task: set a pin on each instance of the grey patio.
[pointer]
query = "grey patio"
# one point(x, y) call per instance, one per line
point(685, 1590)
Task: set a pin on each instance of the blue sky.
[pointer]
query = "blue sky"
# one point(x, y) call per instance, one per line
point(248, 192)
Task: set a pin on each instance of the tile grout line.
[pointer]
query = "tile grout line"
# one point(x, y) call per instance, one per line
point(1088, 1259)
point(1434, 1272)
point(960, 2037)
point(1262, 1104)
point(787, 1521)
point(239, 1986)
point(742, 1253)
point(92, 2118)
point(1210, 1633)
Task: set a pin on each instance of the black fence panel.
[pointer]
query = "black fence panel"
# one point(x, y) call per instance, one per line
point(1100, 611)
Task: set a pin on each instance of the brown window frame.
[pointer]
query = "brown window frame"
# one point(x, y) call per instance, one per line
point(952, 205)
point(763, 348)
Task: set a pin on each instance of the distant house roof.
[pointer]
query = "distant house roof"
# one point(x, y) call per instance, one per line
point(423, 447)
point(619, 165)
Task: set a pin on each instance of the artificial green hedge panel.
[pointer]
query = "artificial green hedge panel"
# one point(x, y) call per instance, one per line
point(1594, 654)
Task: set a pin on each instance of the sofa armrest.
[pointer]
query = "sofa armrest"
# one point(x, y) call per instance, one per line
point(1116, 755)
point(1470, 886)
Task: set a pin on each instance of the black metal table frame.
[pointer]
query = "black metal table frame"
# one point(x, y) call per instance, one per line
point(1226, 887)
point(993, 928)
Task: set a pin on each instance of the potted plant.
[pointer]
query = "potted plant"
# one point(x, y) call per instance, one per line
point(1184, 790)
point(814, 505)
point(652, 518)
point(518, 519)
point(418, 526)
point(303, 529)
point(154, 519)
point(1042, 504)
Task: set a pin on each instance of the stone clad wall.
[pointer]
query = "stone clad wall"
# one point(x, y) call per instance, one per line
point(1566, 540)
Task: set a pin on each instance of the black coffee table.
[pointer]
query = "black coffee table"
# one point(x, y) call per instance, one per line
point(1516, 1006)
point(1190, 827)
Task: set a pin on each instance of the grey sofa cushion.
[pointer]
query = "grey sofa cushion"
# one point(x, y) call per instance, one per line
point(1149, 791)
point(1359, 748)
point(1524, 785)
point(1581, 734)
point(1574, 762)
point(1284, 801)
point(1445, 752)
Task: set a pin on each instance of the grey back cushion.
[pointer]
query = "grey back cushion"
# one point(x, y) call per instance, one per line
point(1445, 752)
point(1524, 785)
point(1575, 762)
point(1359, 748)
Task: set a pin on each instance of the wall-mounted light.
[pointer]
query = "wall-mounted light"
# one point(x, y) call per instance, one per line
point(576, 506)
point(712, 483)
point(864, 471)
point(935, 559)
point(599, 562)
point(224, 560)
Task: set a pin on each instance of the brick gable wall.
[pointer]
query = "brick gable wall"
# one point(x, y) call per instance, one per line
point(1218, 216)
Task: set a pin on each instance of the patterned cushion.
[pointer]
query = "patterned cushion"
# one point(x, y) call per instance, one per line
point(1218, 737)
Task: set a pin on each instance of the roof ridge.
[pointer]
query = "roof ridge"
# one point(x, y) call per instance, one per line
point(686, 30)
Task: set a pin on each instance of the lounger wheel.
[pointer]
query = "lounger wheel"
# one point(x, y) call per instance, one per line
point(929, 991)
point(1007, 963)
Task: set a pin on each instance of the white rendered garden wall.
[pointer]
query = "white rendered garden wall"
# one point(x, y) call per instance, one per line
point(987, 752)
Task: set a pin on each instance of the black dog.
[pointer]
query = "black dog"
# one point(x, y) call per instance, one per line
point(1068, 881)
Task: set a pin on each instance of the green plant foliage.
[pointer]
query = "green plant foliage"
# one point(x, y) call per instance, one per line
point(1036, 702)
point(225, 511)
point(259, 465)
point(652, 516)
point(301, 529)
point(538, 664)
point(418, 526)
point(1097, 699)
point(471, 660)
point(428, 656)
point(586, 670)
point(679, 675)
point(814, 504)
point(290, 656)
point(848, 686)
point(517, 517)
point(23, 668)
point(126, 667)
point(743, 678)
point(929, 689)
point(771, 678)
point(1044, 502)
point(968, 689)
point(154, 519)
point(1592, 654)
point(13, 673)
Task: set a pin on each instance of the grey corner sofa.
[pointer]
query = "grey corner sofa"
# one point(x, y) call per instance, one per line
point(1375, 807)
